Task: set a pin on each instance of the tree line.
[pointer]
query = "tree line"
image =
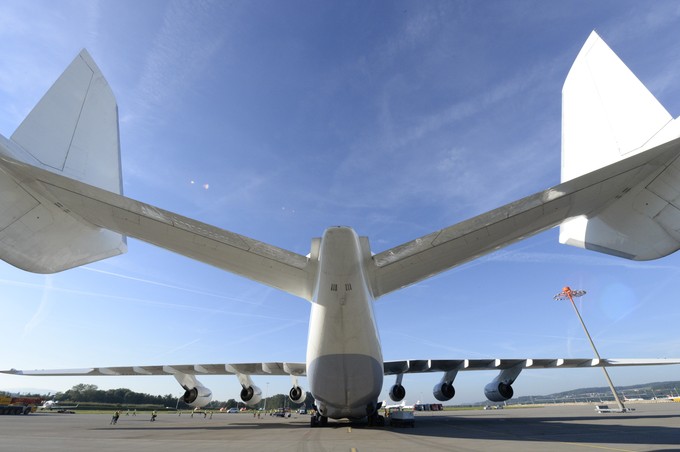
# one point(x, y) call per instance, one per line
point(89, 393)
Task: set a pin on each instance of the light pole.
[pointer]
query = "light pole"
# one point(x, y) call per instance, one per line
point(568, 294)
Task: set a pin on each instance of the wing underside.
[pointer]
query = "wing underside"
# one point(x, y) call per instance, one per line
point(270, 368)
point(446, 365)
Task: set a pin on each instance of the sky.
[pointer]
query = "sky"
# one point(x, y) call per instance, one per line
point(276, 120)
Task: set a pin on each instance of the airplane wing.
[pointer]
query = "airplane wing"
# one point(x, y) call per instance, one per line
point(394, 268)
point(390, 367)
point(271, 368)
point(499, 389)
point(433, 253)
point(268, 264)
point(446, 365)
point(59, 213)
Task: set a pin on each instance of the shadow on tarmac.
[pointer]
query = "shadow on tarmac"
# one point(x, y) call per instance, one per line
point(573, 429)
point(560, 429)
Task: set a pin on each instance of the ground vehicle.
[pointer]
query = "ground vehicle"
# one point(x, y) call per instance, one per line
point(18, 405)
point(282, 413)
point(232, 410)
point(401, 418)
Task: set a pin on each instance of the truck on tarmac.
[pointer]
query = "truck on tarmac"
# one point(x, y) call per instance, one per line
point(18, 405)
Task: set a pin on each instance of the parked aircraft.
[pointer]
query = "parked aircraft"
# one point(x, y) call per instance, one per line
point(61, 207)
point(401, 405)
point(54, 405)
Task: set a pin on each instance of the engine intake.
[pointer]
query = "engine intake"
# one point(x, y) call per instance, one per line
point(197, 397)
point(251, 395)
point(397, 393)
point(297, 394)
point(443, 391)
point(498, 391)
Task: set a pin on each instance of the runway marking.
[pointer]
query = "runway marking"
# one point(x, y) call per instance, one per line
point(353, 449)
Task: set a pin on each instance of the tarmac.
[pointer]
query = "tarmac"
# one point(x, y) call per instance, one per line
point(554, 428)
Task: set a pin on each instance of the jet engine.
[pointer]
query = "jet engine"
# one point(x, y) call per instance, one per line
point(195, 394)
point(497, 391)
point(297, 394)
point(500, 388)
point(197, 397)
point(251, 395)
point(397, 393)
point(443, 391)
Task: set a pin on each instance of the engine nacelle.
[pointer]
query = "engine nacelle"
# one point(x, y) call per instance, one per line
point(443, 391)
point(497, 391)
point(397, 393)
point(297, 394)
point(197, 397)
point(251, 395)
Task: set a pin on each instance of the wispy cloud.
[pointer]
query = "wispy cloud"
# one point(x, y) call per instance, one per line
point(91, 296)
point(178, 348)
point(172, 286)
point(182, 49)
point(43, 310)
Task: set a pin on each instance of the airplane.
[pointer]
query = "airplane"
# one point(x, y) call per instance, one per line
point(54, 405)
point(61, 206)
point(401, 405)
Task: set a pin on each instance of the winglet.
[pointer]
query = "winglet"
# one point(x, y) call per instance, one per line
point(72, 131)
point(74, 127)
point(607, 113)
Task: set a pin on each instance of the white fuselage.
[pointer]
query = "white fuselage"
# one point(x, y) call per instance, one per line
point(344, 358)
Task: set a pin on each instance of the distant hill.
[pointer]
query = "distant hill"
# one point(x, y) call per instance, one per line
point(646, 391)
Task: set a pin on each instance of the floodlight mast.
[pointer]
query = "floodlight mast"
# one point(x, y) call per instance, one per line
point(568, 294)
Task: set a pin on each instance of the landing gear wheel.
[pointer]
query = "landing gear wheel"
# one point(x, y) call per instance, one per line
point(318, 421)
point(375, 420)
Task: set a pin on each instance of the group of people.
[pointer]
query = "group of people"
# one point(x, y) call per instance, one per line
point(154, 415)
point(116, 415)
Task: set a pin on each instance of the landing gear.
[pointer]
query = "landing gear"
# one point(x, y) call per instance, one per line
point(376, 420)
point(318, 421)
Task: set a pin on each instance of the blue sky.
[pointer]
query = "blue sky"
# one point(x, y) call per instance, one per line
point(278, 119)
